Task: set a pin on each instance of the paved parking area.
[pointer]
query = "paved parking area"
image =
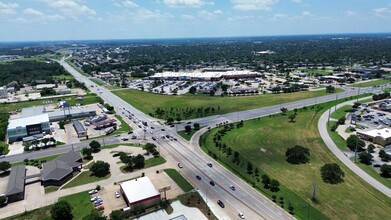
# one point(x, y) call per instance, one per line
point(161, 180)
point(107, 194)
point(179, 210)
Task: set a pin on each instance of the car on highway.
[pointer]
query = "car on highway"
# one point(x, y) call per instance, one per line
point(163, 129)
point(189, 122)
point(220, 203)
point(241, 215)
point(134, 137)
point(198, 177)
point(152, 127)
point(2, 156)
point(117, 135)
point(124, 139)
point(117, 195)
point(130, 132)
point(210, 164)
point(153, 138)
point(232, 187)
point(180, 165)
point(376, 165)
point(93, 191)
point(212, 183)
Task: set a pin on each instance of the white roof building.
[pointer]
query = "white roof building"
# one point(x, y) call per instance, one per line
point(32, 120)
point(140, 191)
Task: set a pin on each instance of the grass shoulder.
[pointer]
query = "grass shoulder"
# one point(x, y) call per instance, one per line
point(84, 178)
point(179, 180)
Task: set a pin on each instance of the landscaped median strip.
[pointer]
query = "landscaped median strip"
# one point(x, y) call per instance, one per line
point(179, 180)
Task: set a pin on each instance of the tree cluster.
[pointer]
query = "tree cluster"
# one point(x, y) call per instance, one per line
point(380, 96)
point(332, 173)
point(100, 168)
point(297, 155)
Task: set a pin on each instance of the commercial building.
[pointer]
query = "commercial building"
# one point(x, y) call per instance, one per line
point(3, 93)
point(15, 188)
point(79, 128)
point(43, 86)
point(205, 75)
point(28, 126)
point(56, 172)
point(63, 91)
point(377, 136)
point(139, 192)
point(71, 113)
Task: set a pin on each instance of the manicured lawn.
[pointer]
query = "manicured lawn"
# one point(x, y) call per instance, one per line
point(373, 173)
point(341, 112)
point(187, 136)
point(338, 140)
point(84, 178)
point(149, 102)
point(264, 143)
point(81, 204)
point(124, 127)
point(194, 199)
point(372, 83)
point(37, 162)
point(50, 189)
point(178, 179)
point(154, 161)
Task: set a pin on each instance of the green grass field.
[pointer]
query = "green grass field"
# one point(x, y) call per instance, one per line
point(179, 180)
point(338, 140)
point(154, 161)
point(81, 204)
point(124, 127)
point(372, 83)
point(84, 178)
point(187, 136)
point(264, 142)
point(149, 102)
point(341, 112)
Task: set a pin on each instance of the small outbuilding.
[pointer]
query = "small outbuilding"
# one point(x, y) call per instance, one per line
point(15, 188)
point(140, 192)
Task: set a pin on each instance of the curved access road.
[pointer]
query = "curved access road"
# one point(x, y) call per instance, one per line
point(322, 127)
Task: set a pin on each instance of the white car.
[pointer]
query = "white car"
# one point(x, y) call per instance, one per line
point(94, 198)
point(93, 191)
point(117, 195)
point(241, 215)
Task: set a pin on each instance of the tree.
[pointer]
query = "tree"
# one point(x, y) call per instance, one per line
point(292, 117)
point(212, 92)
point(188, 129)
point(196, 126)
point(139, 161)
point(365, 158)
point(61, 124)
point(87, 152)
point(193, 90)
point(330, 89)
point(61, 210)
point(274, 185)
point(385, 170)
point(94, 215)
point(170, 120)
point(4, 166)
point(297, 155)
point(354, 142)
point(383, 155)
point(116, 215)
point(265, 181)
point(100, 168)
point(284, 110)
point(249, 167)
point(371, 148)
point(95, 145)
point(332, 173)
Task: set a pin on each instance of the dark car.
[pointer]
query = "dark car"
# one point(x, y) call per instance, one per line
point(210, 164)
point(232, 188)
point(221, 204)
point(198, 177)
point(376, 165)
point(212, 183)
point(116, 155)
point(189, 122)
point(163, 129)
point(130, 132)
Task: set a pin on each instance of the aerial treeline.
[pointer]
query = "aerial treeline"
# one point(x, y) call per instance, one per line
point(29, 71)
point(3, 125)
point(24, 51)
point(178, 114)
point(290, 52)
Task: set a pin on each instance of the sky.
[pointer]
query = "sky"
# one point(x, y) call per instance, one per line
point(35, 20)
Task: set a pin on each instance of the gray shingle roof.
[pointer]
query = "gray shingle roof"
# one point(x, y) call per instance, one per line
point(16, 180)
point(60, 167)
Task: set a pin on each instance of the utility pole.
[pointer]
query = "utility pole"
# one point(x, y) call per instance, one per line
point(336, 102)
point(328, 121)
point(358, 93)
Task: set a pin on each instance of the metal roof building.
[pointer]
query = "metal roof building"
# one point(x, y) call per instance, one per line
point(27, 126)
point(79, 128)
point(15, 188)
point(140, 192)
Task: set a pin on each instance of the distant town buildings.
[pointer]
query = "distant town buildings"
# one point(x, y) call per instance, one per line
point(205, 75)
point(3, 92)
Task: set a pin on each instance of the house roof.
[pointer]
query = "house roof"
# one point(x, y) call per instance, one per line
point(384, 133)
point(60, 167)
point(16, 180)
point(139, 189)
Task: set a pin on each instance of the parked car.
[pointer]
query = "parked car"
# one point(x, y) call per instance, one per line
point(212, 183)
point(101, 207)
point(210, 164)
point(117, 195)
point(130, 132)
point(180, 165)
point(93, 191)
point(221, 204)
point(198, 177)
point(232, 187)
point(241, 215)
point(117, 135)
point(124, 139)
point(94, 198)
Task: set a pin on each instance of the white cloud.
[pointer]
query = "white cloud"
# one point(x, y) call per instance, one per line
point(307, 14)
point(30, 11)
point(70, 7)
point(279, 16)
point(19, 20)
point(240, 18)
point(209, 15)
point(144, 14)
point(187, 17)
point(382, 12)
point(186, 3)
point(297, 1)
point(129, 4)
point(253, 5)
point(8, 8)
point(350, 13)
